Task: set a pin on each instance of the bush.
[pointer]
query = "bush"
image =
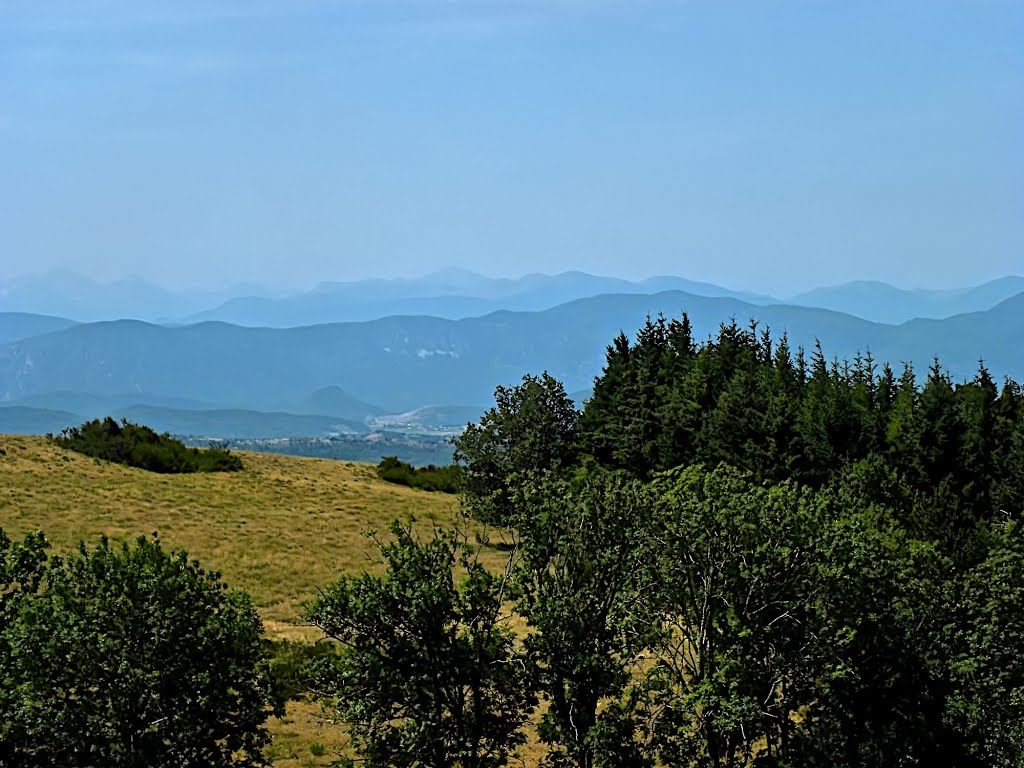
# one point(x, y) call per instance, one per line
point(135, 445)
point(430, 478)
point(133, 655)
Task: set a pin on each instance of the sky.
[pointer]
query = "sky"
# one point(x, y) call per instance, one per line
point(763, 145)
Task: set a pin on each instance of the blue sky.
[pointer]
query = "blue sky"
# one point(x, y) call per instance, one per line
point(763, 145)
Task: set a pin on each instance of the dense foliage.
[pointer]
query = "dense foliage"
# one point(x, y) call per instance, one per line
point(429, 675)
point(430, 478)
point(581, 580)
point(530, 429)
point(947, 457)
point(139, 446)
point(124, 656)
point(736, 554)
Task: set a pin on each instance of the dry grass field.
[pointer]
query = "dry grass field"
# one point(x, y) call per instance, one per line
point(279, 529)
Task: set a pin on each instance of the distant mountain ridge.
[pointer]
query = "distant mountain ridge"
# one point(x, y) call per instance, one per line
point(884, 303)
point(450, 294)
point(24, 420)
point(72, 295)
point(23, 325)
point(401, 364)
point(210, 424)
point(334, 401)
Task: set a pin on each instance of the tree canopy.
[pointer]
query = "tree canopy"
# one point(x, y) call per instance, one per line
point(817, 565)
point(127, 655)
point(429, 674)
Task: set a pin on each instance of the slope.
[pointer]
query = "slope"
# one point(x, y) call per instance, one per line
point(885, 303)
point(280, 528)
point(452, 294)
point(403, 363)
point(23, 325)
point(25, 420)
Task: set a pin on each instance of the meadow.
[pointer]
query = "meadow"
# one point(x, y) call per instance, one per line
point(280, 528)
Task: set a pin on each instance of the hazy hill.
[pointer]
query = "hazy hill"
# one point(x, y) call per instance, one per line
point(24, 420)
point(331, 402)
point(449, 294)
point(70, 294)
point(334, 401)
point(91, 406)
point(213, 424)
point(404, 363)
point(235, 422)
point(452, 294)
point(994, 335)
point(22, 325)
point(884, 303)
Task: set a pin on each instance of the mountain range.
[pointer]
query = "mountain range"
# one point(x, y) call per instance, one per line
point(70, 294)
point(884, 303)
point(23, 325)
point(359, 373)
point(450, 294)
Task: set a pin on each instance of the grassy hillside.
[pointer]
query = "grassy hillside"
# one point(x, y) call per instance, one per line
point(279, 528)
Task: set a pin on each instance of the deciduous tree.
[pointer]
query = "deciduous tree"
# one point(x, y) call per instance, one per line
point(429, 675)
point(530, 430)
point(132, 656)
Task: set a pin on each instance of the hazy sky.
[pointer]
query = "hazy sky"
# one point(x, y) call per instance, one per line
point(763, 145)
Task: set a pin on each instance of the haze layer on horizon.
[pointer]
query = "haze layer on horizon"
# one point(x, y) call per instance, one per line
point(767, 147)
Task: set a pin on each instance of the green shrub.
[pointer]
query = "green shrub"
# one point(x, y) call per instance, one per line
point(136, 445)
point(430, 478)
point(129, 655)
point(218, 458)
